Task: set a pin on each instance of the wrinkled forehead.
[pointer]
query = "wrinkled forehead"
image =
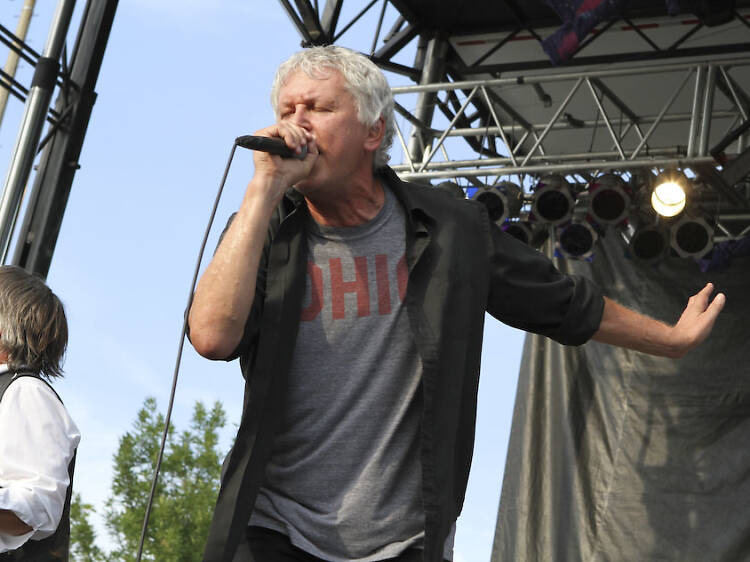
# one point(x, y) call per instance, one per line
point(324, 73)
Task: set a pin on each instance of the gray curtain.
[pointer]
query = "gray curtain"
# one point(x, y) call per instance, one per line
point(617, 455)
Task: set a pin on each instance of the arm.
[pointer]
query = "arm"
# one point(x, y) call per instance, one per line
point(35, 451)
point(627, 328)
point(224, 295)
point(10, 524)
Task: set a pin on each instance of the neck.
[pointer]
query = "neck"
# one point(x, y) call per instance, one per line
point(352, 206)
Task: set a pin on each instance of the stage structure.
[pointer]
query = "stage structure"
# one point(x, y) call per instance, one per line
point(74, 78)
point(642, 93)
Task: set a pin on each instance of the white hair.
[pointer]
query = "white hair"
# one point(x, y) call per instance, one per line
point(364, 81)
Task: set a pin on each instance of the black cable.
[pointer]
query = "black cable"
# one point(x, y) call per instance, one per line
point(179, 356)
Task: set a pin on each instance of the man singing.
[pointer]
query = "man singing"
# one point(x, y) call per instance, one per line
point(356, 303)
point(37, 437)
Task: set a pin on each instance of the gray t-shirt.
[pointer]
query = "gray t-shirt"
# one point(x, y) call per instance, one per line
point(344, 480)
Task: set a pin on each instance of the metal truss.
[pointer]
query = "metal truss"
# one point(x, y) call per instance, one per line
point(686, 115)
point(679, 99)
point(29, 55)
point(323, 27)
point(75, 81)
point(695, 118)
point(597, 47)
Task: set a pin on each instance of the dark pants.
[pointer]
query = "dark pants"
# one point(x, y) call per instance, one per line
point(265, 545)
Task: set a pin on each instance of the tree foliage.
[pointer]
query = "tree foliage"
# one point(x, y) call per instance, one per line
point(185, 496)
point(83, 546)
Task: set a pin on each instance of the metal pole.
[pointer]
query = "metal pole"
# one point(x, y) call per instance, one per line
point(700, 74)
point(606, 119)
point(432, 71)
point(554, 158)
point(708, 105)
point(552, 121)
point(491, 106)
point(659, 117)
point(30, 131)
point(562, 168)
point(12, 63)
point(513, 128)
point(562, 77)
point(735, 97)
point(740, 106)
point(459, 113)
point(403, 147)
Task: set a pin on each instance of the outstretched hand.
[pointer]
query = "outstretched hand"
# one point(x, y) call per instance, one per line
point(627, 328)
point(697, 320)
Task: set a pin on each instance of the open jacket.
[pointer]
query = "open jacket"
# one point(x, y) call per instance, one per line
point(460, 265)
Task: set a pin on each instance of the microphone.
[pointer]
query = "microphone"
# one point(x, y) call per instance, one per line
point(271, 145)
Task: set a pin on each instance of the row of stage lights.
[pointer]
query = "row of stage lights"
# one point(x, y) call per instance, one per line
point(655, 215)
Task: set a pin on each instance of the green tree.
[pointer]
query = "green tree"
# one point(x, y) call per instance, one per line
point(82, 535)
point(187, 489)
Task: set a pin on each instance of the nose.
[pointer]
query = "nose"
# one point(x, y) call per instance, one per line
point(301, 116)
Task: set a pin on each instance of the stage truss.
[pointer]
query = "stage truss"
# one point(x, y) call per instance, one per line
point(643, 92)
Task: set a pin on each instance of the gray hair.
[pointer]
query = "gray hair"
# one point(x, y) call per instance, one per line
point(364, 80)
point(33, 327)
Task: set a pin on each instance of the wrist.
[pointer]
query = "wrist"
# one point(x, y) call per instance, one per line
point(264, 192)
point(677, 344)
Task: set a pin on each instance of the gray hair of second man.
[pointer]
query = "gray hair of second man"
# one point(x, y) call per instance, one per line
point(365, 82)
point(33, 327)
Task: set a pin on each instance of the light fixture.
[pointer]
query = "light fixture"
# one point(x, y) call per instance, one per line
point(577, 239)
point(452, 188)
point(670, 194)
point(691, 237)
point(648, 243)
point(553, 200)
point(503, 200)
point(609, 200)
point(531, 234)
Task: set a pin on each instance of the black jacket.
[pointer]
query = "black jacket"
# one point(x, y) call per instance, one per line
point(460, 265)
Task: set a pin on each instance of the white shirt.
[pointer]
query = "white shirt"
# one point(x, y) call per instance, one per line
point(37, 442)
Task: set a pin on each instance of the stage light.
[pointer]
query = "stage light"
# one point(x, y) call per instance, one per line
point(503, 200)
point(609, 201)
point(452, 188)
point(553, 200)
point(670, 193)
point(691, 237)
point(531, 234)
point(648, 243)
point(577, 239)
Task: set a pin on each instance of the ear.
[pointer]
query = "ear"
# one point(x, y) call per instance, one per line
point(375, 135)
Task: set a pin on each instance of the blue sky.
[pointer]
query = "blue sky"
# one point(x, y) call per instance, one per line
point(180, 80)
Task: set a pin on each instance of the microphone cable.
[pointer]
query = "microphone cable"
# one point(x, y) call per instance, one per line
point(149, 504)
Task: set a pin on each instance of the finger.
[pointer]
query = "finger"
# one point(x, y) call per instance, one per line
point(700, 299)
point(297, 135)
point(717, 305)
point(290, 135)
point(708, 318)
point(312, 146)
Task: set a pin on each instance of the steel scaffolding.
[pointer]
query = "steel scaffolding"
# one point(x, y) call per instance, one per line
point(643, 92)
point(75, 80)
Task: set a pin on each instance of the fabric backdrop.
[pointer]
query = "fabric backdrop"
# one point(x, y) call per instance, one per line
point(617, 455)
